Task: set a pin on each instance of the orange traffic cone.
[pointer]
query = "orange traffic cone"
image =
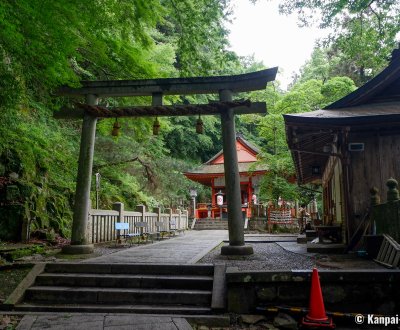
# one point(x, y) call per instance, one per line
point(316, 317)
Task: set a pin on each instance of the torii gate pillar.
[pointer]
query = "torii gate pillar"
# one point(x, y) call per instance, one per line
point(79, 244)
point(232, 183)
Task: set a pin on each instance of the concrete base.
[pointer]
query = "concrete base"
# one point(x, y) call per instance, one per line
point(373, 245)
point(311, 234)
point(241, 250)
point(326, 248)
point(78, 249)
point(301, 239)
point(344, 290)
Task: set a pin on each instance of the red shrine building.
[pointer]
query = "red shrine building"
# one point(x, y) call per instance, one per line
point(211, 174)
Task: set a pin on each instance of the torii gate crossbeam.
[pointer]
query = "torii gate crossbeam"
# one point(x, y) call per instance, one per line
point(224, 86)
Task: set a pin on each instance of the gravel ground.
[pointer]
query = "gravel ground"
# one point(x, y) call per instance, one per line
point(267, 256)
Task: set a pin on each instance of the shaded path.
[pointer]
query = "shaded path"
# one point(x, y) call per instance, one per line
point(64, 321)
point(187, 248)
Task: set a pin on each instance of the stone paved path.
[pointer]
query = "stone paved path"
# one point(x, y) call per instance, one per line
point(186, 248)
point(183, 249)
point(65, 321)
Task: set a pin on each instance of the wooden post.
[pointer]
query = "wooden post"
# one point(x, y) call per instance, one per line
point(158, 211)
point(79, 244)
point(186, 219)
point(179, 218)
point(393, 192)
point(232, 183)
point(169, 213)
point(141, 209)
point(119, 207)
point(375, 198)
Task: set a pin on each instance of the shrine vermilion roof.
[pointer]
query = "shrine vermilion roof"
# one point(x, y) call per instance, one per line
point(214, 167)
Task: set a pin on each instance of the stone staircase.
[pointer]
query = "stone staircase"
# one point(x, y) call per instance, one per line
point(211, 224)
point(122, 288)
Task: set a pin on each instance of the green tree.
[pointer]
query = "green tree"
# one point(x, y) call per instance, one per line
point(336, 88)
point(303, 97)
point(319, 67)
point(46, 44)
point(364, 31)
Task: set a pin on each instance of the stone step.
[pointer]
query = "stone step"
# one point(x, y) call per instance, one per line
point(130, 288)
point(103, 308)
point(125, 281)
point(210, 227)
point(212, 224)
point(311, 234)
point(211, 221)
point(215, 225)
point(302, 239)
point(87, 295)
point(143, 269)
point(206, 228)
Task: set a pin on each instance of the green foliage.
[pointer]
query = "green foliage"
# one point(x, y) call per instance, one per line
point(336, 88)
point(184, 143)
point(197, 25)
point(305, 96)
point(331, 10)
point(318, 67)
point(363, 49)
point(46, 44)
point(23, 252)
point(364, 32)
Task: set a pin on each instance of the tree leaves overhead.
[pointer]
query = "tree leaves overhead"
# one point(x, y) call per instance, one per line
point(194, 23)
point(364, 31)
point(46, 44)
point(305, 96)
point(328, 11)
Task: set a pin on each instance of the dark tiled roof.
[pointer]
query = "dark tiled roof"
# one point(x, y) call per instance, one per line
point(375, 112)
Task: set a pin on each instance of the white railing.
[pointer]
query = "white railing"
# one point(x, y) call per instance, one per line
point(101, 225)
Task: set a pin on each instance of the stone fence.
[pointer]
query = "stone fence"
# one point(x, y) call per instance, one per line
point(345, 291)
point(387, 215)
point(101, 225)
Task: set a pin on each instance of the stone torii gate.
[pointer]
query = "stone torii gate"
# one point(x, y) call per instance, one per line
point(225, 86)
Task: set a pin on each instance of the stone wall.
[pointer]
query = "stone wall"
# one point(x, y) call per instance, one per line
point(386, 216)
point(362, 291)
point(258, 225)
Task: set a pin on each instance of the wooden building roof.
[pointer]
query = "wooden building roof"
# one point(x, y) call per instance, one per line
point(357, 115)
point(312, 135)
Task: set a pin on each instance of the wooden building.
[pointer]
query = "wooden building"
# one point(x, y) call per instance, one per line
point(349, 147)
point(211, 174)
